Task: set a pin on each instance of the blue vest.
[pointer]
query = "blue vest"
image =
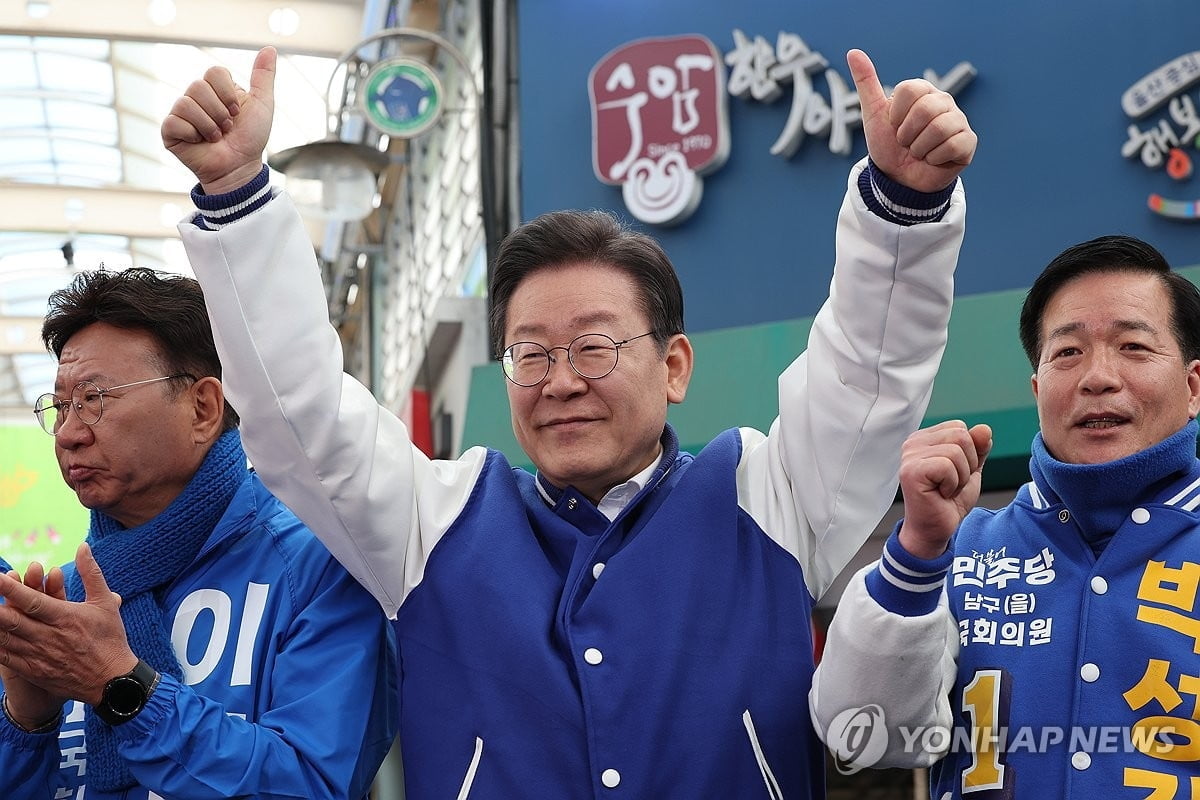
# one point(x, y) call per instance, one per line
point(694, 649)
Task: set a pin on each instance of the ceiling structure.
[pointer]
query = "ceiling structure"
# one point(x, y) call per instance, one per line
point(84, 180)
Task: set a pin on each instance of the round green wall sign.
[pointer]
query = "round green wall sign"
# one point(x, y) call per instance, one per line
point(403, 97)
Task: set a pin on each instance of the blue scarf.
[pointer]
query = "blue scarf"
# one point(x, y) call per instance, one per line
point(139, 564)
point(1100, 495)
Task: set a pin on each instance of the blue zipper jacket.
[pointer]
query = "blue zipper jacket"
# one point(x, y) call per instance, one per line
point(1060, 671)
point(287, 689)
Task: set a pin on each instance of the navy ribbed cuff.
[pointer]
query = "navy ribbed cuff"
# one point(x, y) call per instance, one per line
point(897, 203)
point(217, 210)
point(904, 584)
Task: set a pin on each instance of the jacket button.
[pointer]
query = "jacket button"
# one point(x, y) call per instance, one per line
point(610, 778)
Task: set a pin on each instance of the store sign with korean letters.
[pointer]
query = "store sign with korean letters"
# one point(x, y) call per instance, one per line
point(1165, 129)
point(660, 116)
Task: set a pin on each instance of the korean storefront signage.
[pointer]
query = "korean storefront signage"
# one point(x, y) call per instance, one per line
point(660, 112)
point(1165, 145)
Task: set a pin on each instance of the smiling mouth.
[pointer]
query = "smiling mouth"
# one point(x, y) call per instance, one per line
point(1100, 423)
point(563, 423)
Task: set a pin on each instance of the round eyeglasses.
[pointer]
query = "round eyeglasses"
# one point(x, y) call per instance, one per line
point(591, 355)
point(87, 401)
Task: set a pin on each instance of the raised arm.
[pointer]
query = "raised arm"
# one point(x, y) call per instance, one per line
point(893, 644)
point(317, 437)
point(821, 481)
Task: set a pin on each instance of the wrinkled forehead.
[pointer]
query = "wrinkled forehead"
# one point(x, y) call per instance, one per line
point(75, 371)
point(1109, 296)
point(1108, 306)
point(106, 355)
point(575, 297)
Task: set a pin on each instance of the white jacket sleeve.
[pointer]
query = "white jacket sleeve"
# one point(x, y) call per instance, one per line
point(905, 666)
point(318, 437)
point(822, 479)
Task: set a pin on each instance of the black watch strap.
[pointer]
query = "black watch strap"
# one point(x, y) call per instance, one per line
point(126, 695)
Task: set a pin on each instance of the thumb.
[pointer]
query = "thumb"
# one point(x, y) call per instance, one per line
point(262, 76)
point(866, 81)
point(95, 588)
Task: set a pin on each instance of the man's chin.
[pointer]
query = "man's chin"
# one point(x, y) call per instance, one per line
point(578, 474)
point(89, 500)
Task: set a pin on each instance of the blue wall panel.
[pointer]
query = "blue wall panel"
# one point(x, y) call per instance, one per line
point(1046, 105)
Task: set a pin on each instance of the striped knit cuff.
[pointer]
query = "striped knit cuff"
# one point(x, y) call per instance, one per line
point(218, 210)
point(904, 584)
point(897, 203)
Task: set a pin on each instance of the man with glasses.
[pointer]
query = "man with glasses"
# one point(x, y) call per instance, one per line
point(630, 621)
point(204, 644)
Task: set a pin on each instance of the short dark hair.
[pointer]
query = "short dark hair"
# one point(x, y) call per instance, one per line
point(560, 238)
point(1112, 254)
point(168, 307)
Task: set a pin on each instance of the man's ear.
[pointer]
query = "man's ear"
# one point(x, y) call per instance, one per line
point(208, 409)
point(1193, 382)
point(680, 361)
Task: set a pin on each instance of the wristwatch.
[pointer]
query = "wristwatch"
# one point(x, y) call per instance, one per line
point(125, 695)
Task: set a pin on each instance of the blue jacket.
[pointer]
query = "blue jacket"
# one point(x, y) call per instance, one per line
point(1100, 649)
point(287, 689)
point(546, 651)
point(1063, 661)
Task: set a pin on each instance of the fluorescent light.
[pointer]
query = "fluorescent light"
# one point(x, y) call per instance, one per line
point(284, 21)
point(162, 12)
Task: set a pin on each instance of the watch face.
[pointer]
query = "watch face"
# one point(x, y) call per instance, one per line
point(125, 696)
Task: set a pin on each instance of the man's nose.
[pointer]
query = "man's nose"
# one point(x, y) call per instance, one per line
point(1101, 373)
point(562, 378)
point(71, 430)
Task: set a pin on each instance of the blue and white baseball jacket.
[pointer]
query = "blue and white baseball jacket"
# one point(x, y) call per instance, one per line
point(287, 689)
point(1058, 672)
point(546, 651)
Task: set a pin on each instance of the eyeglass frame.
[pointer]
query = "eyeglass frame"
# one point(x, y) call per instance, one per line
point(506, 356)
point(63, 406)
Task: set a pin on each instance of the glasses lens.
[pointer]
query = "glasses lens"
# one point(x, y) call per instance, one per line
point(88, 402)
point(526, 363)
point(593, 355)
point(47, 413)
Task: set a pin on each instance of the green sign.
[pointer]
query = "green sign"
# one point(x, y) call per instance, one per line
point(40, 517)
point(403, 97)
